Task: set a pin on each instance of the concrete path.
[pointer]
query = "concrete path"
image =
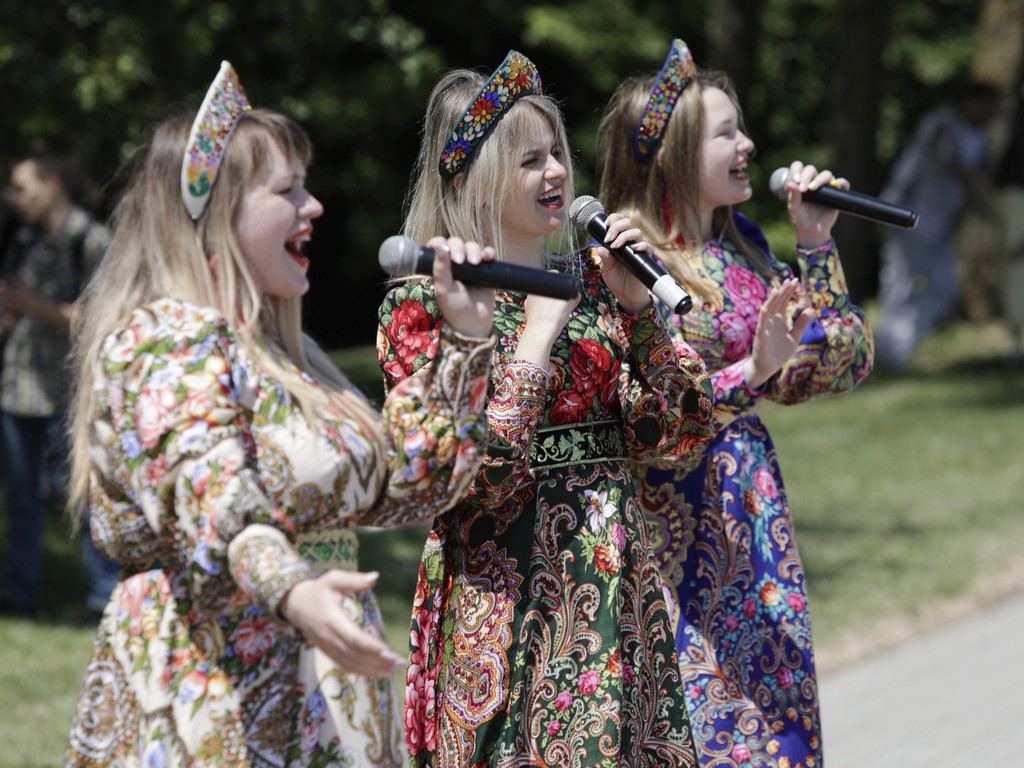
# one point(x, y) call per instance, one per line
point(954, 697)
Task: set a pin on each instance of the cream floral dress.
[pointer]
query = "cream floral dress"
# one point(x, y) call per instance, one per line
point(216, 495)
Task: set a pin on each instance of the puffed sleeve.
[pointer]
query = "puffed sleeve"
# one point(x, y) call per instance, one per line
point(437, 428)
point(665, 391)
point(407, 343)
point(182, 444)
point(836, 352)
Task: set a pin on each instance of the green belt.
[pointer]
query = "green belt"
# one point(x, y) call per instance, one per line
point(336, 548)
point(576, 444)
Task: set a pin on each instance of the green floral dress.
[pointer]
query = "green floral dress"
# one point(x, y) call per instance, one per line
point(215, 493)
point(539, 631)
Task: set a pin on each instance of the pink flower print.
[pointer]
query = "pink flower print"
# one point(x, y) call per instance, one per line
point(599, 510)
point(732, 623)
point(784, 677)
point(738, 334)
point(554, 727)
point(749, 607)
point(618, 532)
point(765, 483)
point(255, 638)
point(589, 681)
point(563, 701)
point(745, 289)
point(741, 753)
point(695, 692)
point(193, 685)
point(628, 674)
point(154, 409)
point(796, 601)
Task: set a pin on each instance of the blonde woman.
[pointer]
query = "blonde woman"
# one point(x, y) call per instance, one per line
point(224, 461)
point(539, 632)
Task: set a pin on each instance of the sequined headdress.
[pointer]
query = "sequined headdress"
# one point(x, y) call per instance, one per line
point(211, 131)
point(677, 73)
point(515, 78)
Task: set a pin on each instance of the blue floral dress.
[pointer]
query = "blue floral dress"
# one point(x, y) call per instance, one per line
point(722, 529)
point(539, 632)
point(216, 494)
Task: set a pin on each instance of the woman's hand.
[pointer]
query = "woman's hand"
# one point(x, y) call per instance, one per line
point(316, 607)
point(545, 319)
point(467, 309)
point(813, 223)
point(775, 339)
point(631, 294)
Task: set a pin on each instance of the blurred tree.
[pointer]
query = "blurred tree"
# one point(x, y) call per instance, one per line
point(93, 77)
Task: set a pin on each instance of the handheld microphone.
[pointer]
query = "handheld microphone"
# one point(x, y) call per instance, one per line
point(848, 201)
point(401, 256)
point(588, 214)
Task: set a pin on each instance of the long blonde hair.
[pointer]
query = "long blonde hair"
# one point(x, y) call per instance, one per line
point(469, 206)
point(670, 180)
point(158, 251)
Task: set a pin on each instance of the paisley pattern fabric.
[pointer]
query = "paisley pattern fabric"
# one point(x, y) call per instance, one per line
point(216, 494)
point(723, 532)
point(539, 630)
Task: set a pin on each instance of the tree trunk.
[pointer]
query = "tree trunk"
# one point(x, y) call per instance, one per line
point(734, 32)
point(860, 35)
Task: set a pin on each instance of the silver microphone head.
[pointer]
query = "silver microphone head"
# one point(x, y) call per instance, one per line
point(583, 209)
point(777, 182)
point(397, 256)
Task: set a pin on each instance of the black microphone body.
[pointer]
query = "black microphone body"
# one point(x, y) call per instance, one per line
point(401, 256)
point(848, 201)
point(588, 214)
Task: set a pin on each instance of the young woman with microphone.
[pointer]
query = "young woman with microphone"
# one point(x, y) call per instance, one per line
point(674, 159)
point(539, 629)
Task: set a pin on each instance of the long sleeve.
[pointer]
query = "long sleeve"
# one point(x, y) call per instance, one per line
point(836, 352)
point(178, 439)
point(437, 426)
point(665, 392)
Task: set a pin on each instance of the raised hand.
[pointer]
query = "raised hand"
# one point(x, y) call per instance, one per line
point(813, 223)
point(467, 309)
point(776, 336)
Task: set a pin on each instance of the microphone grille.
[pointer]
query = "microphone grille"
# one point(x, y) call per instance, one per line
point(583, 209)
point(397, 256)
point(777, 182)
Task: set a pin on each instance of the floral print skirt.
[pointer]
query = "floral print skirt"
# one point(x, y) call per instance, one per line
point(739, 604)
point(540, 634)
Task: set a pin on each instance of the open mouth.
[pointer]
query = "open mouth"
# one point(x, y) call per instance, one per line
point(552, 199)
point(740, 173)
point(294, 246)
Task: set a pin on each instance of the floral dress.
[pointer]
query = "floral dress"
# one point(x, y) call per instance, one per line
point(216, 495)
point(539, 631)
point(723, 532)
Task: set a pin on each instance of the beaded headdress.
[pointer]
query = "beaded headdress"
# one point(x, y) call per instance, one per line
point(208, 139)
point(675, 75)
point(516, 77)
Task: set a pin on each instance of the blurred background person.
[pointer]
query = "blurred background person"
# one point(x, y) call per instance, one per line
point(48, 261)
point(940, 171)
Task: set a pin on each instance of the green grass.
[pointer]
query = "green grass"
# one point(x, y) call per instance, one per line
point(906, 494)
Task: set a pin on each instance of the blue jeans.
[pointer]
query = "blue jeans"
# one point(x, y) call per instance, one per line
point(34, 447)
point(26, 439)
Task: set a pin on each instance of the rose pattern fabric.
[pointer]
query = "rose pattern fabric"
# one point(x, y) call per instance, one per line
point(539, 633)
point(216, 494)
point(723, 530)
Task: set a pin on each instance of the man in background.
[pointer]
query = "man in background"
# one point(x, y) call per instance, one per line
point(47, 264)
